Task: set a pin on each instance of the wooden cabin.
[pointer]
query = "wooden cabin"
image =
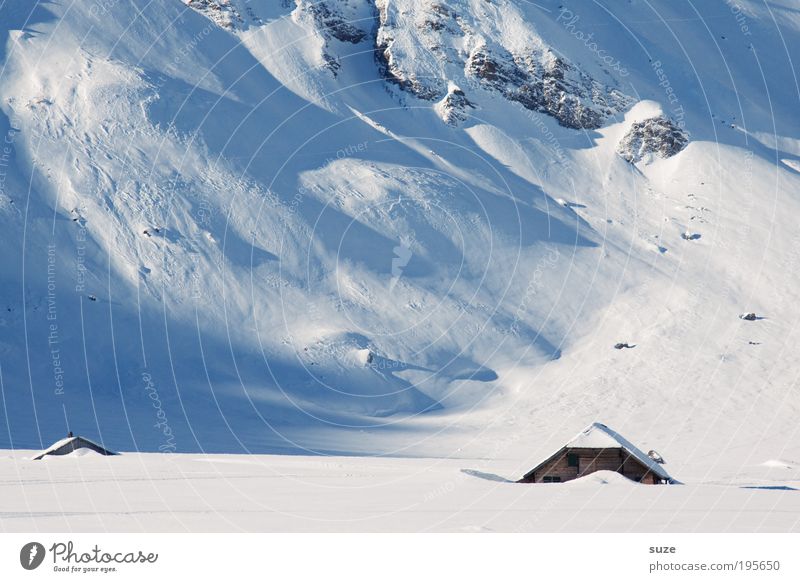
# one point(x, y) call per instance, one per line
point(597, 448)
point(72, 443)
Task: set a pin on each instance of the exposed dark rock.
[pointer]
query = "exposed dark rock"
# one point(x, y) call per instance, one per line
point(430, 89)
point(223, 12)
point(453, 108)
point(657, 136)
point(547, 84)
point(538, 80)
point(621, 346)
point(337, 21)
point(332, 22)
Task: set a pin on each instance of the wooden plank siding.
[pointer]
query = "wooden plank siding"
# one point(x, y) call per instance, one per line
point(589, 461)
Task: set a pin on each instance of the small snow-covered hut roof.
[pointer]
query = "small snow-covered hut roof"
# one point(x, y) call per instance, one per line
point(73, 443)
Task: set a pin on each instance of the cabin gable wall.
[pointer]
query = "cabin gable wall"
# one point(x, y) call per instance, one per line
point(589, 461)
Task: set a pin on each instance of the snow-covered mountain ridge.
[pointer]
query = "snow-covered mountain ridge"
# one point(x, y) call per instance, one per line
point(432, 49)
point(399, 227)
point(425, 46)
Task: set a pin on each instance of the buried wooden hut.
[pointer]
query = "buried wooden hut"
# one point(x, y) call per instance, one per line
point(72, 443)
point(597, 448)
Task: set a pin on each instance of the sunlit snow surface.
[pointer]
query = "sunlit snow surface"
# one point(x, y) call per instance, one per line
point(234, 235)
point(151, 492)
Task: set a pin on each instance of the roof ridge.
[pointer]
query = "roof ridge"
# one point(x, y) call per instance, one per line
point(624, 444)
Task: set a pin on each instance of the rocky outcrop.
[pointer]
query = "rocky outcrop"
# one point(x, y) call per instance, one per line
point(542, 82)
point(425, 46)
point(226, 13)
point(332, 21)
point(391, 59)
point(657, 136)
point(337, 21)
point(453, 108)
point(422, 46)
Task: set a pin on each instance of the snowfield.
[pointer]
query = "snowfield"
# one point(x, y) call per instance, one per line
point(263, 493)
point(391, 232)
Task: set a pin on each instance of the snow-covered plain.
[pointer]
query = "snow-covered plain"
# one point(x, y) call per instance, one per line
point(357, 228)
point(176, 493)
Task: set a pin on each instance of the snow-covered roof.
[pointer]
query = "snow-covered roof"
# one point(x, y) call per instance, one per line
point(65, 441)
point(599, 436)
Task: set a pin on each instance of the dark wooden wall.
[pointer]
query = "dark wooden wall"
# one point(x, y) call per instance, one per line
point(589, 461)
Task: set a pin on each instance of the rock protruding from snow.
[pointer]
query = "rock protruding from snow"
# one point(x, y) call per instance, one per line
point(657, 136)
point(228, 14)
point(339, 20)
point(395, 48)
point(421, 46)
point(453, 108)
point(543, 82)
point(425, 46)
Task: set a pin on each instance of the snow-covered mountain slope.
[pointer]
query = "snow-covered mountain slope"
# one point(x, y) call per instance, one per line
point(400, 227)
